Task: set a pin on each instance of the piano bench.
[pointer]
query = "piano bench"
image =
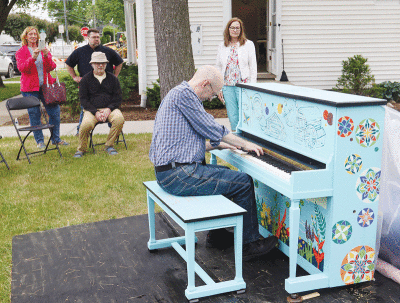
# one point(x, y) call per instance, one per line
point(194, 214)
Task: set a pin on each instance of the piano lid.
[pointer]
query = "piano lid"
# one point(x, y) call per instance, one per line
point(330, 98)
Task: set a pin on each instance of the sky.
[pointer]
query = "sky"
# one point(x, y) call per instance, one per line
point(35, 10)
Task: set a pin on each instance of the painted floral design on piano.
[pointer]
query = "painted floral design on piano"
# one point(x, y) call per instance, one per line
point(368, 185)
point(353, 164)
point(358, 265)
point(341, 232)
point(345, 126)
point(365, 217)
point(367, 132)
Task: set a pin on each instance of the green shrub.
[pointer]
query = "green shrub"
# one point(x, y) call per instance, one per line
point(214, 103)
point(73, 102)
point(128, 78)
point(153, 95)
point(154, 99)
point(356, 76)
point(376, 91)
point(390, 90)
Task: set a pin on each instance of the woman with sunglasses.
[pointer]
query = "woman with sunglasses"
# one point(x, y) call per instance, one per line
point(236, 60)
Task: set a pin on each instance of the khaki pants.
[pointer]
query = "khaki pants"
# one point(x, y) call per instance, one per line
point(88, 123)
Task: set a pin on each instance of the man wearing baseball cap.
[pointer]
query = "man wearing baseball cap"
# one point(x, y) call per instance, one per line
point(100, 95)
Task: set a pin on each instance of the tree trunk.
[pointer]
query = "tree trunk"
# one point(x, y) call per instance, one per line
point(5, 8)
point(173, 43)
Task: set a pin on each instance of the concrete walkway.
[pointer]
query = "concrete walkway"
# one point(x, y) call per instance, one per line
point(69, 129)
point(130, 127)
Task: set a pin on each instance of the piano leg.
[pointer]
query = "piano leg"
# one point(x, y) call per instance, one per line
point(294, 220)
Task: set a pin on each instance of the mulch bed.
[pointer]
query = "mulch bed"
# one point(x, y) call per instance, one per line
point(131, 112)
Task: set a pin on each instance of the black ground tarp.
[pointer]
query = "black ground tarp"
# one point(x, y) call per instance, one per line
point(109, 261)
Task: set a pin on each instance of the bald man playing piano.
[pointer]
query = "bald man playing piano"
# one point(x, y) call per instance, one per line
point(183, 132)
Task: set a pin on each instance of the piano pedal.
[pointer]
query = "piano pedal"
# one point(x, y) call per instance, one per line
point(194, 301)
point(296, 298)
point(242, 291)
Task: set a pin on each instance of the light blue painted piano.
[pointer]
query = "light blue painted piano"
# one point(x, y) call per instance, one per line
point(320, 195)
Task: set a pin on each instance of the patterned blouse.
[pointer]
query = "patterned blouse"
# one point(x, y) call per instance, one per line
point(232, 72)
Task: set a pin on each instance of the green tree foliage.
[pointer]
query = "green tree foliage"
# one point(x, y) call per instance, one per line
point(109, 32)
point(356, 76)
point(74, 33)
point(76, 12)
point(107, 10)
point(16, 23)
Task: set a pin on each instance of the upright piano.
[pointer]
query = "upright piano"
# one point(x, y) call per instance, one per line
point(317, 186)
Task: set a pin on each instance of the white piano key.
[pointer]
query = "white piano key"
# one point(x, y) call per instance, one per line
point(276, 171)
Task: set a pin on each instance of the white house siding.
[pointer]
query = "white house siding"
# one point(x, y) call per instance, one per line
point(318, 35)
point(208, 13)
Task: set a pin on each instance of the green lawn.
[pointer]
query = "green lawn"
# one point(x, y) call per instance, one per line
point(56, 192)
point(13, 89)
point(10, 90)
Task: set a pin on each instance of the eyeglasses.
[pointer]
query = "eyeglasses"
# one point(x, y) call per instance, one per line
point(234, 28)
point(214, 95)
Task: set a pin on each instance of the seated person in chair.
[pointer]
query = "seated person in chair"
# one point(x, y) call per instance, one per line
point(100, 95)
point(178, 149)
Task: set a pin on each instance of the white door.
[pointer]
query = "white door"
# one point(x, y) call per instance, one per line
point(272, 36)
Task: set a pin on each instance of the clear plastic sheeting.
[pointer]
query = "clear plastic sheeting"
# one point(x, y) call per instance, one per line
point(389, 207)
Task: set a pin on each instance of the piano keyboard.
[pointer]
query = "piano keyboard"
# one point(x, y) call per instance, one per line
point(276, 163)
point(276, 170)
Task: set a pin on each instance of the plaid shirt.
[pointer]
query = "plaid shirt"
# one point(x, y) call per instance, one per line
point(181, 128)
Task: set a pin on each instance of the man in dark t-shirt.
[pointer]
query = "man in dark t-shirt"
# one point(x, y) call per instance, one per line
point(82, 56)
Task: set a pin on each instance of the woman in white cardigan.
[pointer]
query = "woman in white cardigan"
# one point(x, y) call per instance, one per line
point(236, 60)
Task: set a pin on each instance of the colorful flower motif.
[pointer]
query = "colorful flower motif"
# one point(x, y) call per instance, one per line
point(345, 126)
point(358, 265)
point(367, 132)
point(341, 232)
point(353, 164)
point(368, 185)
point(365, 217)
point(267, 111)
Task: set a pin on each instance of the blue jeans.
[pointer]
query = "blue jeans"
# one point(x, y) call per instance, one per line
point(200, 180)
point(231, 97)
point(34, 117)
